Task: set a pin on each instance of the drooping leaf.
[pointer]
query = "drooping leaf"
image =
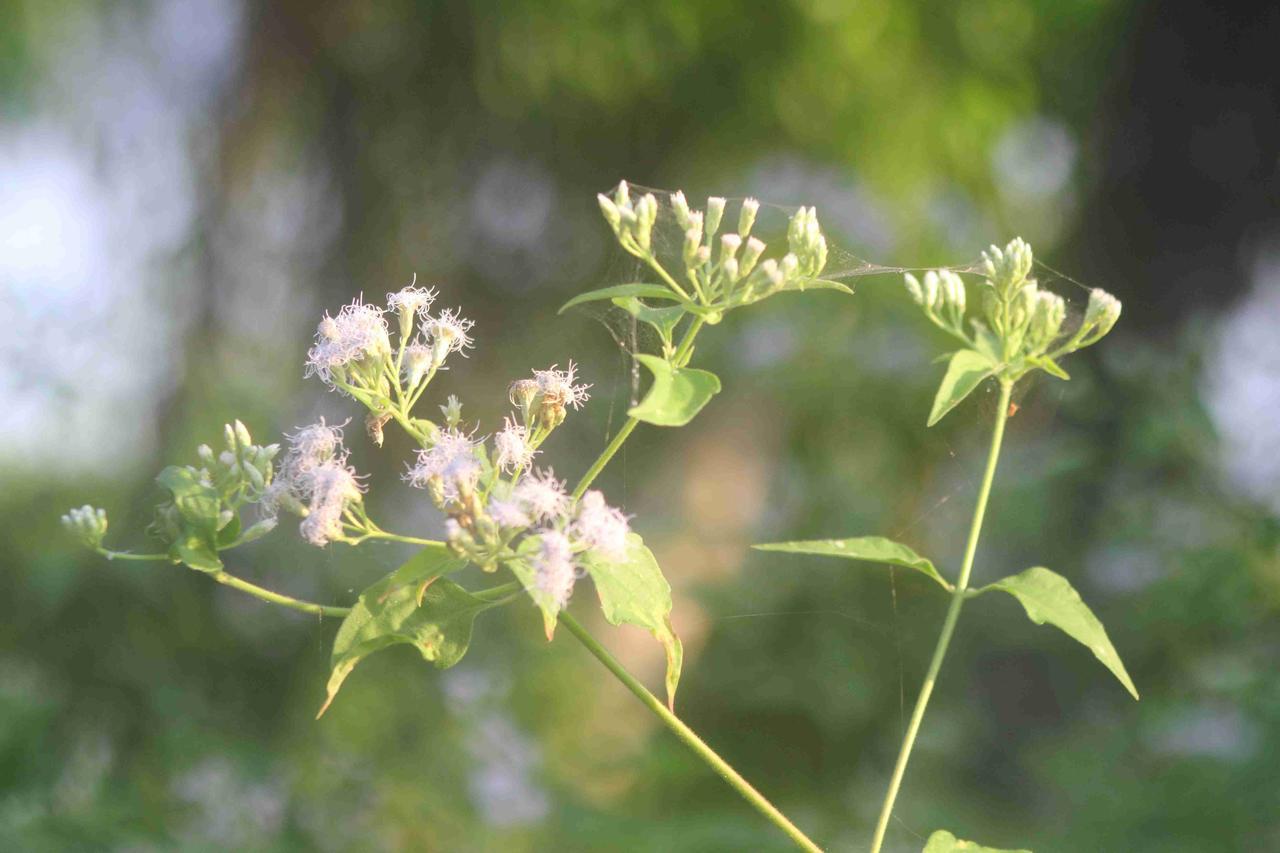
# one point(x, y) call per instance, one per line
point(944, 842)
point(197, 502)
point(547, 604)
point(1050, 599)
point(634, 592)
point(677, 394)
point(412, 605)
point(965, 372)
point(652, 291)
point(874, 549)
point(662, 319)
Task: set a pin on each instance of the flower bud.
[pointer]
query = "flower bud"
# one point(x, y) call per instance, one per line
point(931, 288)
point(1102, 313)
point(229, 436)
point(452, 410)
point(622, 196)
point(607, 207)
point(205, 452)
point(646, 214)
point(715, 212)
point(242, 434)
point(953, 294)
point(913, 288)
point(702, 256)
point(747, 216)
point(751, 254)
point(417, 360)
point(788, 267)
point(87, 524)
point(1046, 319)
point(692, 240)
point(730, 268)
point(681, 208)
point(1008, 268)
point(729, 244)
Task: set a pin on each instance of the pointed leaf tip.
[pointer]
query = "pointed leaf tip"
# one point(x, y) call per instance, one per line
point(677, 393)
point(965, 372)
point(873, 549)
point(1049, 598)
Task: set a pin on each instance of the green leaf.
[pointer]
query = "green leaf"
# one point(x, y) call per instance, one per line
point(944, 842)
point(1049, 598)
point(662, 319)
point(653, 291)
point(181, 481)
point(677, 394)
point(412, 605)
point(875, 549)
point(1050, 367)
point(965, 372)
point(634, 592)
point(197, 550)
point(546, 603)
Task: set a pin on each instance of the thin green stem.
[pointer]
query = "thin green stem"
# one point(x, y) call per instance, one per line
point(679, 359)
point(124, 555)
point(276, 598)
point(949, 624)
point(604, 457)
point(686, 734)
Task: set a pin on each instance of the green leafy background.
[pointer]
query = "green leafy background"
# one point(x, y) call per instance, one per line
point(334, 148)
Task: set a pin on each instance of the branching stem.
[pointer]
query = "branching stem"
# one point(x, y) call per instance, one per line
point(958, 597)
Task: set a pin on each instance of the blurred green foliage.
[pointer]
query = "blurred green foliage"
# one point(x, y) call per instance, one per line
point(142, 707)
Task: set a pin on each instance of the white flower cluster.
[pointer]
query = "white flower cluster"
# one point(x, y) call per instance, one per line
point(316, 482)
point(450, 466)
point(353, 350)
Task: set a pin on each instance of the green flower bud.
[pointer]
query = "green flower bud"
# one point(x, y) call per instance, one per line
point(913, 288)
point(751, 253)
point(1102, 313)
point(610, 211)
point(87, 524)
point(715, 212)
point(452, 410)
point(681, 208)
point(747, 216)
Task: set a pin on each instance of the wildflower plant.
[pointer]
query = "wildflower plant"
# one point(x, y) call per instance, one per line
point(1018, 329)
point(503, 512)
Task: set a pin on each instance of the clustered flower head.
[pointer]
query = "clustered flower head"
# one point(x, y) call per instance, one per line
point(1021, 326)
point(722, 271)
point(354, 353)
point(449, 467)
point(316, 482)
point(543, 400)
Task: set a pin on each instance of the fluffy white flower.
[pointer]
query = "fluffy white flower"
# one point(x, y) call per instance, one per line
point(311, 446)
point(601, 527)
point(448, 334)
point(542, 496)
point(559, 387)
point(412, 300)
point(359, 331)
point(554, 569)
point(512, 446)
point(332, 487)
point(508, 513)
point(452, 458)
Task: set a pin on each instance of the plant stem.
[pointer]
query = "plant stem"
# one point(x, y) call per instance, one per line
point(686, 734)
point(679, 359)
point(949, 624)
point(276, 598)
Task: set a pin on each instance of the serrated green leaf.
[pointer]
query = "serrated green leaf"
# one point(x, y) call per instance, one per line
point(662, 319)
point(652, 291)
point(677, 393)
point(965, 371)
point(1049, 598)
point(413, 605)
point(874, 549)
point(634, 592)
point(1051, 367)
point(944, 842)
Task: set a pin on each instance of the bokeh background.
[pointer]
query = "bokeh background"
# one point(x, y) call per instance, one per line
point(186, 186)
